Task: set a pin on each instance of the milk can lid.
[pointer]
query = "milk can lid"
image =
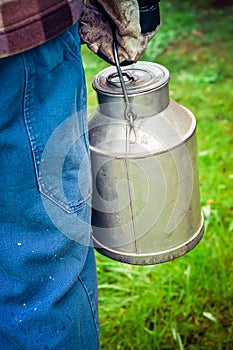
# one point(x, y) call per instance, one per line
point(139, 78)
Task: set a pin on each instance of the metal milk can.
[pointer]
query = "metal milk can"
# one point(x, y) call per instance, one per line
point(146, 204)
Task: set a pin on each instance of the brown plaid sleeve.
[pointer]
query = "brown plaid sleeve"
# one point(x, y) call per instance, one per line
point(28, 23)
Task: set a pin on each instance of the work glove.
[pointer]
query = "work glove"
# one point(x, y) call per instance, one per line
point(103, 21)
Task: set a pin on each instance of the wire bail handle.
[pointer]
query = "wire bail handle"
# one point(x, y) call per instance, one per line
point(129, 113)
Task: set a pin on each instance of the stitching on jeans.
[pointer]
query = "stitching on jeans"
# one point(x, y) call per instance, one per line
point(36, 149)
point(94, 314)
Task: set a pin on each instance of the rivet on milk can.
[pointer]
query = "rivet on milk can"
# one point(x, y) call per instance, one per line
point(146, 203)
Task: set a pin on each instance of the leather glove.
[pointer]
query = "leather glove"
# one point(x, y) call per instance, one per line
point(102, 21)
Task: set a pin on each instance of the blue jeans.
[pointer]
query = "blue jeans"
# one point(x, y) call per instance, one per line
point(48, 285)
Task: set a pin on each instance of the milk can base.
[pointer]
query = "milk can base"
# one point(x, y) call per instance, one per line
point(152, 258)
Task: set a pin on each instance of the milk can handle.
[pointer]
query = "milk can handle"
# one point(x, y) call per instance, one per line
point(129, 114)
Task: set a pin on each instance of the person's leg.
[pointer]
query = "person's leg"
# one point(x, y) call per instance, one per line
point(48, 293)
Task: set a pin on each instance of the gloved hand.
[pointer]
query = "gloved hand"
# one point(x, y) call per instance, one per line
point(102, 21)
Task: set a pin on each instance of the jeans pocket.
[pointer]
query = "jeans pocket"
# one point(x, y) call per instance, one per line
point(64, 173)
point(55, 119)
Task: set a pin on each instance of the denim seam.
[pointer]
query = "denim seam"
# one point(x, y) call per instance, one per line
point(94, 315)
point(66, 37)
point(27, 114)
point(11, 341)
point(70, 209)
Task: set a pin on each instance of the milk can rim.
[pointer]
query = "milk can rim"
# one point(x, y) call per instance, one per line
point(150, 85)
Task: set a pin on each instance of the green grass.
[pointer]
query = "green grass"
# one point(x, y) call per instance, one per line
point(187, 303)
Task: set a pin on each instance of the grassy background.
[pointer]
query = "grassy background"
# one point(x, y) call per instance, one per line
point(186, 303)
